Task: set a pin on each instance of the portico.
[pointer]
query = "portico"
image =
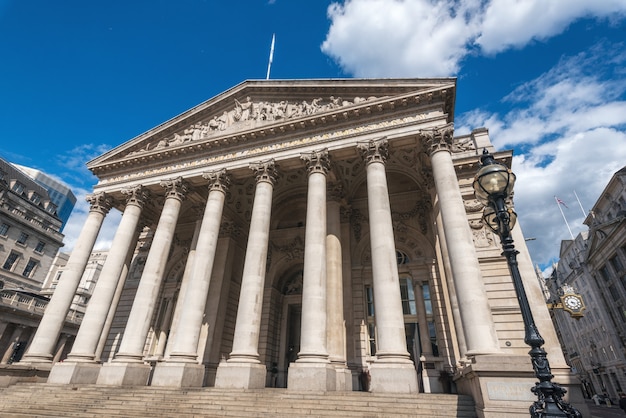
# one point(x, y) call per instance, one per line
point(298, 234)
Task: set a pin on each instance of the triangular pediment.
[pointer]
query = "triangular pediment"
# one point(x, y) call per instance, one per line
point(263, 108)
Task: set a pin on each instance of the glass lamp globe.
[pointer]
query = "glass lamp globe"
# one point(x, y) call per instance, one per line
point(493, 180)
point(491, 220)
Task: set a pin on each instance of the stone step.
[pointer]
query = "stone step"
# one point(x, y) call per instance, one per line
point(46, 400)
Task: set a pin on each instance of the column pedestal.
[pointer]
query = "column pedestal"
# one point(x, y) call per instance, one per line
point(124, 374)
point(500, 385)
point(393, 378)
point(312, 377)
point(180, 375)
point(74, 373)
point(238, 375)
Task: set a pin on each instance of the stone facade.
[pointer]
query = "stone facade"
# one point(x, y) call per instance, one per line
point(594, 264)
point(311, 234)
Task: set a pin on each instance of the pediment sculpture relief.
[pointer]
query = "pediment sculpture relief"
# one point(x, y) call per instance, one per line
point(249, 114)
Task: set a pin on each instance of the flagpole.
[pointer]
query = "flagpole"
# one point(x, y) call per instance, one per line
point(580, 204)
point(556, 199)
point(269, 64)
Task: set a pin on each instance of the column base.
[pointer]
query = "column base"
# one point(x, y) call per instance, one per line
point(179, 375)
point(312, 377)
point(500, 386)
point(393, 378)
point(124, 374)
point(71, 372)
point(240, 375)
point(343, 379)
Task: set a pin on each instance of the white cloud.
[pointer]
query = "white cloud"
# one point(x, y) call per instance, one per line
point(423, 38)
point(571, 135)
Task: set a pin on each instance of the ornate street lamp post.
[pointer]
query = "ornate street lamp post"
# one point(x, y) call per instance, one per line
point(493, 187)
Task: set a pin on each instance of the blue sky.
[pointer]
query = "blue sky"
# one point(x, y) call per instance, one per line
point(546, 78)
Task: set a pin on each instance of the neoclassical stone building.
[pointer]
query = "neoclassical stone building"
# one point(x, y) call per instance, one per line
point(302, 234)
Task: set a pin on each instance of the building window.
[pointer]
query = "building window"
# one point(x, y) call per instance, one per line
point(401, 257)
point(408, 296)
point(22, 239)
point(616, 264)
point(432, 334)
point(10, 261)
point(428, 304)
point(369, 297)
point(614, 293)
point(18, 188)
point(604, 272)
point(30, 267)
point(35, 198)
point(4, 229)
point(40, 246)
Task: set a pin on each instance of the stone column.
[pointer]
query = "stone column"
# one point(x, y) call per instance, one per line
point(393, 370)
point(478, 327)
point(181, 368)
point(312, 370)
point(90, 331)
point(335, 329)
point(44, 342)
point(127, 368)
point(243, 369)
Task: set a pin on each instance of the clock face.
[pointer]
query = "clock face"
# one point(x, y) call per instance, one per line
point(572, 302)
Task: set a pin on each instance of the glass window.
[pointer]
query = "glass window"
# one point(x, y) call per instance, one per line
point(428, 304)
point(18, 187)
point(371, 330)
point(10, 261)
point(408, 296)
point(432, 333)
point(4, 229)
point(604, 272)
point(30, 267)
point(614, 293)
point(369, 295)
point(401, 257)
point(40, 246)
point(22, 239)
point(616, 264)
point(35, 198)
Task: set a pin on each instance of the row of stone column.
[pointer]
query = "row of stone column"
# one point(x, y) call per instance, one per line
point(393, 371)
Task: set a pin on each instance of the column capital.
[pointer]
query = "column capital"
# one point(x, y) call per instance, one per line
point(100, 202)
point(316, 161)
point(265, 171)
point(376, 150)
point(136, 195)
point(439, 139)
point(219, 180)
point(176, 188)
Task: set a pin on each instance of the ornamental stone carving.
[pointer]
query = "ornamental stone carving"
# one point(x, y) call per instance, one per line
point(219, 180)
point(136, 195)
point(374, 151)
point(247, 113)
point(100, 202)
point(438, 139)
point(176, 188)
point(265, 171)
point(316, 161)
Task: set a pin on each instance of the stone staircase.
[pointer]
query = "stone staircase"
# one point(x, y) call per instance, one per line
point(47, 400)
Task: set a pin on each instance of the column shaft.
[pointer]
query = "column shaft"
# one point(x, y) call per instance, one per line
point(185, 345)
point(248, 325)
point(131, 347)
point(334, 287)
point(86, 343)
point(41, 349)
point(478, 326)
point(313, 325)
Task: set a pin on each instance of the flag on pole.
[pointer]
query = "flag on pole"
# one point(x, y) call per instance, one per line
point(560, 201)
point(269, 64)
